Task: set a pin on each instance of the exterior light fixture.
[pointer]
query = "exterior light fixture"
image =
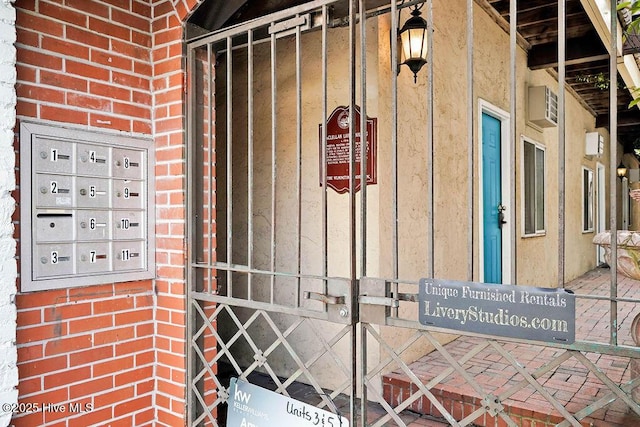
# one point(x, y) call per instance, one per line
point(622, 171)
point(412, 42)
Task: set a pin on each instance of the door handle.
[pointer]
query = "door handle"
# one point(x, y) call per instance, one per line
point(501, 220)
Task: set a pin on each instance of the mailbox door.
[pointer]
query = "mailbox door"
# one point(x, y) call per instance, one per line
point(50, 155)
point(93, 192)
point(127, 164)
point(54, 191)
point(128, 225)
point(127, 195)
point(54, 227)
point(128, 255)
point(55, 259)
point(93, 225)
point(93, 160)
point(93, 257)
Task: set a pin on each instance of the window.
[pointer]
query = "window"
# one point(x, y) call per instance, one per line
point(533, 167)
point(587, 199)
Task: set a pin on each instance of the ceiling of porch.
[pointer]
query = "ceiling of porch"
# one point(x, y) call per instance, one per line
point(587, 61)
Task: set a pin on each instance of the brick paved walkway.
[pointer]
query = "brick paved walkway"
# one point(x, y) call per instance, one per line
point(571, 383)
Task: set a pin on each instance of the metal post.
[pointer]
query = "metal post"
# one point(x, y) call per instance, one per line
point(470, 142)
point(298, 161)
point(250, 161)
point(352, 210)
point(229, 165)
point(562, 34)
point(430, 145)
point(325, 254)
point(613, 154)
point(274, 140)
point(513, 47)
point(363, 199)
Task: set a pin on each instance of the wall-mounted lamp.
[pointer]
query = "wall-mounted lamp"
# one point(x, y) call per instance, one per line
point(412, 42)
point(622, 171)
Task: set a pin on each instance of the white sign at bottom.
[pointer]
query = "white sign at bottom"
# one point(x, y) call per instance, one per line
point(253, 406)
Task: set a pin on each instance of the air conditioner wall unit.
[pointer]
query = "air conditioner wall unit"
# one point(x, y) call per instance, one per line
point(543, 106)
point(594, 144)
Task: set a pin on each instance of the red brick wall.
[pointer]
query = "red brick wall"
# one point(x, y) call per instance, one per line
point(168, 112)
point(115, 64)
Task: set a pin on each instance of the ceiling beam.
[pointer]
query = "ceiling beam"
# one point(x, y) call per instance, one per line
point(626, 118)
point(579, 50)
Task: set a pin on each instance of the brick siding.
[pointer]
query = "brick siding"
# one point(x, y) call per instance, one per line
point(116, 65)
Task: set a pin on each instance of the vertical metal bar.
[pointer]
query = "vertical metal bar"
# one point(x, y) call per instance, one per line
point(210, 154)
point(470, 143)
point(625, 203)
point(363, 139)
point(274, 140)
point(394, 147)
point(325, 250)
point(363, 197)
point(513, 30)
point(613, 154)
point(298, 161)
point(430, 147)
point(190, 321)
point(562, 34)
point(352, 210)
point(250, 162)
point(229, 165)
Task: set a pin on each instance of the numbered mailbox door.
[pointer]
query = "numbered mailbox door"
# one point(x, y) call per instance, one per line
point(52, 156)
point(128, 225)
point(93, 224)
point(128, 255)
point(53, 260)
point(54, 191)
point(93, 192)
point(93, 160)
point(127, 195)
point(54, 227)
point(93, 257)
point(127, 164)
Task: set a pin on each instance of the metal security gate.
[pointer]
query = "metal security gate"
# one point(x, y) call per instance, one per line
point(281, 287)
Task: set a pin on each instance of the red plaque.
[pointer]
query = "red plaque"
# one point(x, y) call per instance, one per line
point(338, 150)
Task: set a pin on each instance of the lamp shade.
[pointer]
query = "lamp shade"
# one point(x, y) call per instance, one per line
point(412, 40)
point(621, 170)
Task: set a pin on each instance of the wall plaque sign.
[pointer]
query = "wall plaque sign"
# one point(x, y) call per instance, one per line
point(539, 314)
point(250, 405)
point(338, 130)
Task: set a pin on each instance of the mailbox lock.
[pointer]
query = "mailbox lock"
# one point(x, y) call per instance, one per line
point(118, 163)
point(43, 154)
point(43, 260)
point(118, 194)
point(83, 224)
point(83, 192)
point(43, 190)
point(52, 224)
point(84, 159)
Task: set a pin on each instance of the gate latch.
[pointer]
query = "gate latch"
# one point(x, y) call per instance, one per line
point(327, 299)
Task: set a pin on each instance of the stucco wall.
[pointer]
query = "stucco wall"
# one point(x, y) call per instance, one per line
point(537, 257)
point(8, 271)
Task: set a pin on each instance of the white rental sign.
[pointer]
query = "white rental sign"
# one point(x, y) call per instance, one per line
point(253, 406)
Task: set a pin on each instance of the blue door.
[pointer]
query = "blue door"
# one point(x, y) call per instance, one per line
point(492, 199)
